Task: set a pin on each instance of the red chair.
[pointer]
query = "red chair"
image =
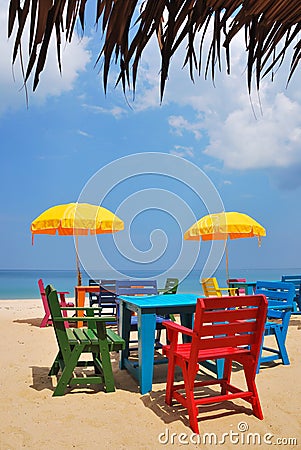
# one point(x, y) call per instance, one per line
point(47, 318)
point(229, 327)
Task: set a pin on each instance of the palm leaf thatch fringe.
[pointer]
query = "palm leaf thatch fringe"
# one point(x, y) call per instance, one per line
point(271, 27)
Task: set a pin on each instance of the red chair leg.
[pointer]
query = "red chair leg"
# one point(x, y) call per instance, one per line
point(226, 376)
point(250, 372)
point(46, 321)
point(190, 401)
point(192, 411)
point(170, 380)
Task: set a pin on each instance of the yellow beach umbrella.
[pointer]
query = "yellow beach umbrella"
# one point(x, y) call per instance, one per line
point(221, 226)
point(76, 219)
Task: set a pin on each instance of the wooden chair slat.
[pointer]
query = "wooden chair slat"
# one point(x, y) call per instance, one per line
point(229, 328)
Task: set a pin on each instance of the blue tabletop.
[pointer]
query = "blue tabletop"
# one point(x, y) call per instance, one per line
point(157, 301)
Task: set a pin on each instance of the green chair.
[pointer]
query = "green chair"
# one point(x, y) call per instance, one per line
point(96, 340)
point(171, 286)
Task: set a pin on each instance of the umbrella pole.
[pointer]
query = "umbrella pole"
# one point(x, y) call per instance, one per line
point(79, 275)
point(227, 263)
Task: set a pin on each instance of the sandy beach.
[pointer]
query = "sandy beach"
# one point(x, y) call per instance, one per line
point(31, 418)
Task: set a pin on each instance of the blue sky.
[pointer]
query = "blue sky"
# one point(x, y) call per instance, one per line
point(248, 146)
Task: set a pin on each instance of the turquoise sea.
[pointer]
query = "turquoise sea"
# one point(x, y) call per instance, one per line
point(22, 284)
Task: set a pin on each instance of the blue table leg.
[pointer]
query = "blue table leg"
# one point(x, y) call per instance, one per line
point(146, 343)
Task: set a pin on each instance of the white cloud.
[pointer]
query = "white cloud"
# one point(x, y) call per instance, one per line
point(244, 132)
point(115, 111)
point(84, 133)
point(211, 168)
point(75, 57)
point(182, 151)
point(271, 140)
point(180, 124)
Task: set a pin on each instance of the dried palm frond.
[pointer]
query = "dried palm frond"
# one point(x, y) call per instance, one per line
point(271, 27)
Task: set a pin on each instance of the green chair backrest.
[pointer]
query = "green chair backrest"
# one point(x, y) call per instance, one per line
point(171, 286)
point(59, 326)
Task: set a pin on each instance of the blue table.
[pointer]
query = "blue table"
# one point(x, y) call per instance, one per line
point(146, 308)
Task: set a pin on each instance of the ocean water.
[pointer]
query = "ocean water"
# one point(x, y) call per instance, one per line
point(23, 284)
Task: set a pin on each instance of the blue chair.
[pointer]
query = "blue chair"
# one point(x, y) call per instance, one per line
point(140, 287)
point(296, 280)
point(280, 296)
point(93, 296)
point(107, 298)
point(136, 287)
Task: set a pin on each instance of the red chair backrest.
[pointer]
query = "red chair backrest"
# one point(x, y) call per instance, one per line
point(234, 322)
point(43, 294)
point(47, 318)
point(238, 280)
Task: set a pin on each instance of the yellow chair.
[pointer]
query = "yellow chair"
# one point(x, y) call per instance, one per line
point(211, 288)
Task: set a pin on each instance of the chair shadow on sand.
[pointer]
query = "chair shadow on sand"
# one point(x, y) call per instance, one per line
point(155, 401)
point(41, 381)
point(295, 322)
point(34, 322)
point(40, 378)
point(123, 380)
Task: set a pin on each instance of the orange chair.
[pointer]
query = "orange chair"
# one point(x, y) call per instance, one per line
point(47, 318)
point(230, 328)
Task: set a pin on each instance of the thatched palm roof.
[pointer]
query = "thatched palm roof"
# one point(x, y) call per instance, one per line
point(271, 27)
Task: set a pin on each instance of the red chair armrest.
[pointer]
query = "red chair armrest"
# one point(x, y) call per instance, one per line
point(173, 329)
point(177, 327)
